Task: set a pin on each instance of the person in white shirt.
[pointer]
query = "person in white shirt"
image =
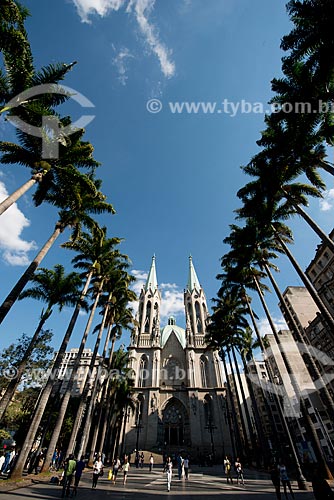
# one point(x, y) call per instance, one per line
point(169, 469)
point(186, 467)
point(151, 462)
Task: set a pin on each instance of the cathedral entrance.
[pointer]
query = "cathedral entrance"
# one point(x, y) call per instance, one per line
point(175, 424)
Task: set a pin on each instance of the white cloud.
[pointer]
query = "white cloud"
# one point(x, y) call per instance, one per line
point(171, 301)
point(141, 9)
point(265, 329)
point(327, 202)
point(120, 62)
point(14, 249)
point(171, 297)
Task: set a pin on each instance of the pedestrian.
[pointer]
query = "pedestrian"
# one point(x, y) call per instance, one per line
point(78, 473)
point(97, 471)
point(285, 480)
point(169, 470)
point(239, 471)
point(151, 462)
point(137, 459)
point(276, 480)
point(126, 467)
point(142, 460)
point(69, 469)
point(179, 462)
point(227, 468)
point(186, 467)
point(115, 469)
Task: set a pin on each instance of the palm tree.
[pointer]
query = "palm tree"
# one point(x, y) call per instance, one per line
point(78, 197)
point(311, 39)
point(72, 152)
point(97, 245)
point(55, 288)
point(108, 262)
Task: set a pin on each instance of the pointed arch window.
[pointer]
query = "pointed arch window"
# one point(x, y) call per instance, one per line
point(143, 371)
point(208, 409)
point(198, 317)
point(148, 316)
point(204, 373)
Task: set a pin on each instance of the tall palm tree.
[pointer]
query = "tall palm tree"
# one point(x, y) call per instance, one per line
point(112, 259)
point(55, 288)
point(72, 152)
point(77, 196)
point(94, 267)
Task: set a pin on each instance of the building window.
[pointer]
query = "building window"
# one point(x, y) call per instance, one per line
point(203, 368)
point(143, 372)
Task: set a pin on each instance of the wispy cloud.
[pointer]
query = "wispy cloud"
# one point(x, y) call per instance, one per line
point(171, 297)
point(141, 10)
point(120, 63)
point(327, 202)
point(14, 249)
point(265, 329)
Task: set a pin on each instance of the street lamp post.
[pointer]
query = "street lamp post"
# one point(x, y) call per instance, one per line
point(211, 427)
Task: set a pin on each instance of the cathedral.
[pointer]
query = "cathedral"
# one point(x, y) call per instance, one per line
point(179, 388)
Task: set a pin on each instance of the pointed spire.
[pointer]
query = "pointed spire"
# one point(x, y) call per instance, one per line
point(192, 277)
point(151, 282)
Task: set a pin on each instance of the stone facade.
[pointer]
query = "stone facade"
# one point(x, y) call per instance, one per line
point(178, 381)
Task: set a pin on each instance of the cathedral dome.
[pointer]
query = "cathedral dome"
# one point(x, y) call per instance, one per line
point(169, 329)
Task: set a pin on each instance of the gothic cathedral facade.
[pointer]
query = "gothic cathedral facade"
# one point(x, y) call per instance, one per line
point(179, 389)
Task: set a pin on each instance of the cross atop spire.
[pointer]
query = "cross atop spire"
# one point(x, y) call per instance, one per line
point(192, 277)
point(151, 282)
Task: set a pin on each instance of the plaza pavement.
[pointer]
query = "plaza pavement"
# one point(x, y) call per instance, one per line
point(143, 485)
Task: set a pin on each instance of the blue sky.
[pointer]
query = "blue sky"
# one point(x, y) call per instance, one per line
point(172, 177)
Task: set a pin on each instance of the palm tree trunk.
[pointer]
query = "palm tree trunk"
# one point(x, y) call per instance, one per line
point(11, 388)
point(104, 401)
point(329, 404)
point(47, 390)
point(307, 420)
point(235, 435)
point(11, 199)
point(260, 448)
point(246, 447)
point(270, 376)
point(244, 400)
point(93, 400)
point(73, 377)
point(322, 235)
point(89, 412)
point(310, 288)
point(28, 274)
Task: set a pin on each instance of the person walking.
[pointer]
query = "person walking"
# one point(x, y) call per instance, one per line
point(227, 468)
point(126, 467)
point(142, 458)
point(151, 462)
point(115, 469)
point(285, 480)
point(169, 471)
point(97, 471)
point(69, 469)
point(276, 480)
point(186, 467)
point(179, 462)
point(78, 473)
point(239, 471)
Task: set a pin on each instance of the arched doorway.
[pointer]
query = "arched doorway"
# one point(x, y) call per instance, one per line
point(175, 424)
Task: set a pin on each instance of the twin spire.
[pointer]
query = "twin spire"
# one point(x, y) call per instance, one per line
point(152, 282)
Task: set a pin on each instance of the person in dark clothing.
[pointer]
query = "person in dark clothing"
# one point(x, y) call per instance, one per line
point(276, 480)
point(81, 464)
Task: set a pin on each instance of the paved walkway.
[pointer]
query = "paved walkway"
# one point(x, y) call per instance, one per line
point(143, 485)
